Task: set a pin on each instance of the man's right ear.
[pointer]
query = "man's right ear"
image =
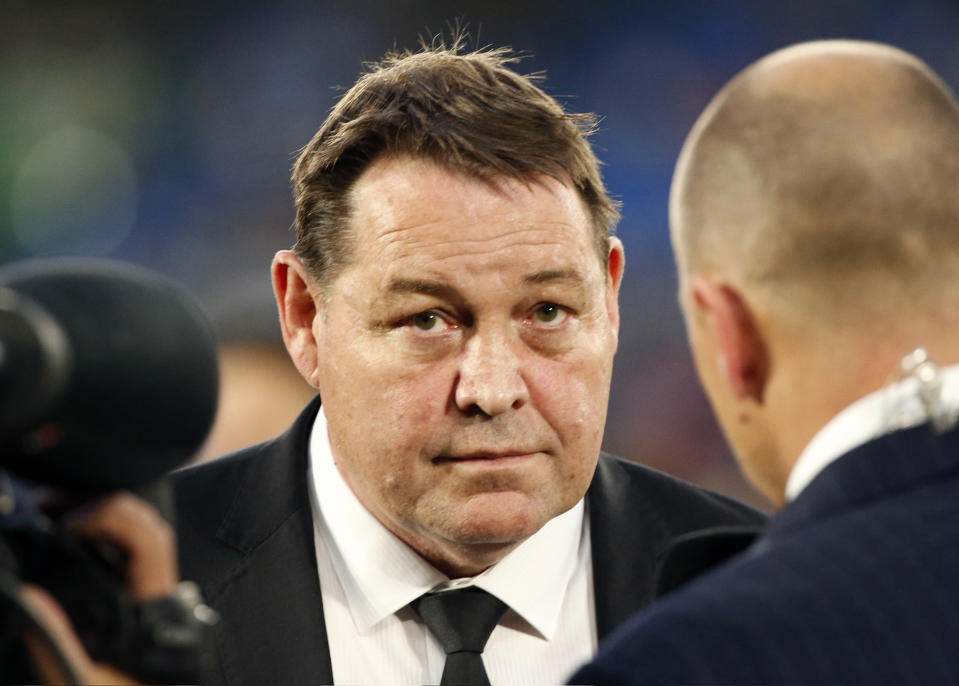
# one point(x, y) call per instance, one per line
point(743, 356)
point(297, 309)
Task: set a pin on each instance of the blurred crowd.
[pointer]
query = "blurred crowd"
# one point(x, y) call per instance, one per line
point(163, 134)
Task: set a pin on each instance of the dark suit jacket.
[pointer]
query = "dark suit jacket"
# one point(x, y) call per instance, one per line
point(855, 582)
point(245, 533)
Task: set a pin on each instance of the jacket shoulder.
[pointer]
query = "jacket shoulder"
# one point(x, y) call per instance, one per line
point(240, 498)
point(680, 506)
point(207, 490)
point(226, 509)
point(809, 605)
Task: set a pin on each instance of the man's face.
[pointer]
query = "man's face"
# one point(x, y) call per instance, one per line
point(464, 356)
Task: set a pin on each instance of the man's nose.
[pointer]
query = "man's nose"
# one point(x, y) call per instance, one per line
point(490, 376)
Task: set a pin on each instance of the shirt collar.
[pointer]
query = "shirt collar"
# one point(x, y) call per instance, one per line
point(896, 406)
point(380, 574)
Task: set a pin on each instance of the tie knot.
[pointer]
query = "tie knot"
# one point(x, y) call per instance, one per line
point(461, 620)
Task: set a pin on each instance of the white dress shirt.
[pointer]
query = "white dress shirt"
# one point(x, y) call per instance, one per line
point(896, 406)
point(368, 577)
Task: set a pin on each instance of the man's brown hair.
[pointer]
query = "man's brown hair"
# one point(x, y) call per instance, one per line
point(467, 111)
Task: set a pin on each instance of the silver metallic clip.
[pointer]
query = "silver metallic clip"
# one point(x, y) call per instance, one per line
point(928, 375)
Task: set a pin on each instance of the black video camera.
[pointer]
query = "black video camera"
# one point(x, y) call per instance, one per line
point(108, 380)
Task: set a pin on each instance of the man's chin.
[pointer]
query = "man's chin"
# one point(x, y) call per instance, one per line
point(495, 518)
point(463, 535)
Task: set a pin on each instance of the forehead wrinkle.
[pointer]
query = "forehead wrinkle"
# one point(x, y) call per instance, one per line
point(444, 225)
point(403, 241)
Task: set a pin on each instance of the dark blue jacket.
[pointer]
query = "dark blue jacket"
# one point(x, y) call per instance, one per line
point(855, 582)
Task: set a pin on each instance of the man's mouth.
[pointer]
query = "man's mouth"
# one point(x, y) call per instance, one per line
point(490, 457)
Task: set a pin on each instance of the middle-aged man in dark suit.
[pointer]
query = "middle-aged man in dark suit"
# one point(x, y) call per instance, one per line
point(815, 219)
point(453, 296)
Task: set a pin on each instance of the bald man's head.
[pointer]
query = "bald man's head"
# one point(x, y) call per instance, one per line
point(826, 178)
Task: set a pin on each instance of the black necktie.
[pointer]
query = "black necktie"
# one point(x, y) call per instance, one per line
point(461, 621)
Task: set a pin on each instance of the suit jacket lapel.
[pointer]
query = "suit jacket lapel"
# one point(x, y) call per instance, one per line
point(696, 552)
point(625, 545)
point(275, 632)
point(636, 517)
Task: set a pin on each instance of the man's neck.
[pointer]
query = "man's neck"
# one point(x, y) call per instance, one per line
point(812, 389)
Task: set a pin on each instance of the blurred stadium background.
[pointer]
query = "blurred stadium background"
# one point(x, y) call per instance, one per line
point(162, 133)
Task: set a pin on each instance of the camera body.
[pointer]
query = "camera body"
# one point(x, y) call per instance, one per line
point(157, 642)
point(108, 380)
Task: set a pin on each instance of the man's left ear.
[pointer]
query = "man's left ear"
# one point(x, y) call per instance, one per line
point(744, 359)
point(614, 275)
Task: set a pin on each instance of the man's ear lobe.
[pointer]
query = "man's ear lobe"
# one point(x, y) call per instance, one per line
point(297, 310)
point(742, 351)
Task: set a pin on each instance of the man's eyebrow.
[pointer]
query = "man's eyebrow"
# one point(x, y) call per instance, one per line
point(550, 275)
point(439, 289)
point(422, 286)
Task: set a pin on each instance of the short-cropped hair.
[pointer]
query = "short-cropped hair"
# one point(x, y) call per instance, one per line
point(466, 110)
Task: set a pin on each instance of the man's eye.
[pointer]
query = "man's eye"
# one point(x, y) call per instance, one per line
point(550, 313)
point(427, 321)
